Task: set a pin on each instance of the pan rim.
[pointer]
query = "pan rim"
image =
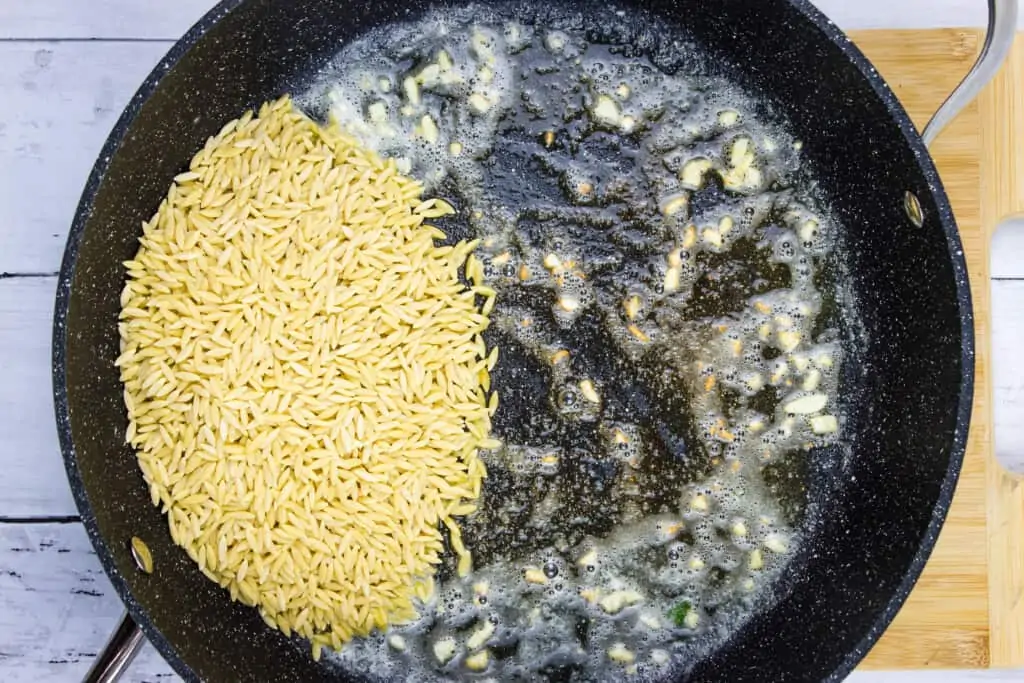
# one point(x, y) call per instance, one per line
point(812, 15)
point(967, 348)
point(83, 212)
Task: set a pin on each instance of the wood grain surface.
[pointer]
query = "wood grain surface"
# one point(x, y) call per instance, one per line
point(56, 611)
point(966, 611)
point(59, 116)
point(1002, 196)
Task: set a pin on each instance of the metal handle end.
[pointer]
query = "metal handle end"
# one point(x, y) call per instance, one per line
point(1002, 29)
point(124, 643)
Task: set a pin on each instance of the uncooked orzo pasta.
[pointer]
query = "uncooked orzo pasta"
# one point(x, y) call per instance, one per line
point(304, 376)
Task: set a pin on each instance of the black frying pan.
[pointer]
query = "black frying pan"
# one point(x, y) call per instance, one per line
point(909, 386)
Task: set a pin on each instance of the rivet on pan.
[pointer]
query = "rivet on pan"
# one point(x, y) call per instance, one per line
point(912, 207)
point(140, 553)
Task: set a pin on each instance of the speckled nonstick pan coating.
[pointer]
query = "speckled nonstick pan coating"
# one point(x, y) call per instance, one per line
point(913, 374)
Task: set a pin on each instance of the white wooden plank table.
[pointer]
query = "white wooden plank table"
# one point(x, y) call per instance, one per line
point(67, 67)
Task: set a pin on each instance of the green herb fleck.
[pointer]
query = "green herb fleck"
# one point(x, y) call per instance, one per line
point(678, 613)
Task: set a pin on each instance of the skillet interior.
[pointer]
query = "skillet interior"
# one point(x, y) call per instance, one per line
point(913, 373)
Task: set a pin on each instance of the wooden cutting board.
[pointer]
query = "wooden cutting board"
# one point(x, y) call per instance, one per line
point(966, 611)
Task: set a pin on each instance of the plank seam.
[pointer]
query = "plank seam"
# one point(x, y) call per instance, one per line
point(96, 39)
point(13, 276)
point(42, 519)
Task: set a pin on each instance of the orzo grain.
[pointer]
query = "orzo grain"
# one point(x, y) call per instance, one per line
point(303, 376)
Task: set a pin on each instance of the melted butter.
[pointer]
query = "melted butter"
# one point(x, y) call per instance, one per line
point(663, 318)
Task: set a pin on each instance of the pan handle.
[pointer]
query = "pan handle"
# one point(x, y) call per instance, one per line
point(1002, 28)
point(124, 643)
